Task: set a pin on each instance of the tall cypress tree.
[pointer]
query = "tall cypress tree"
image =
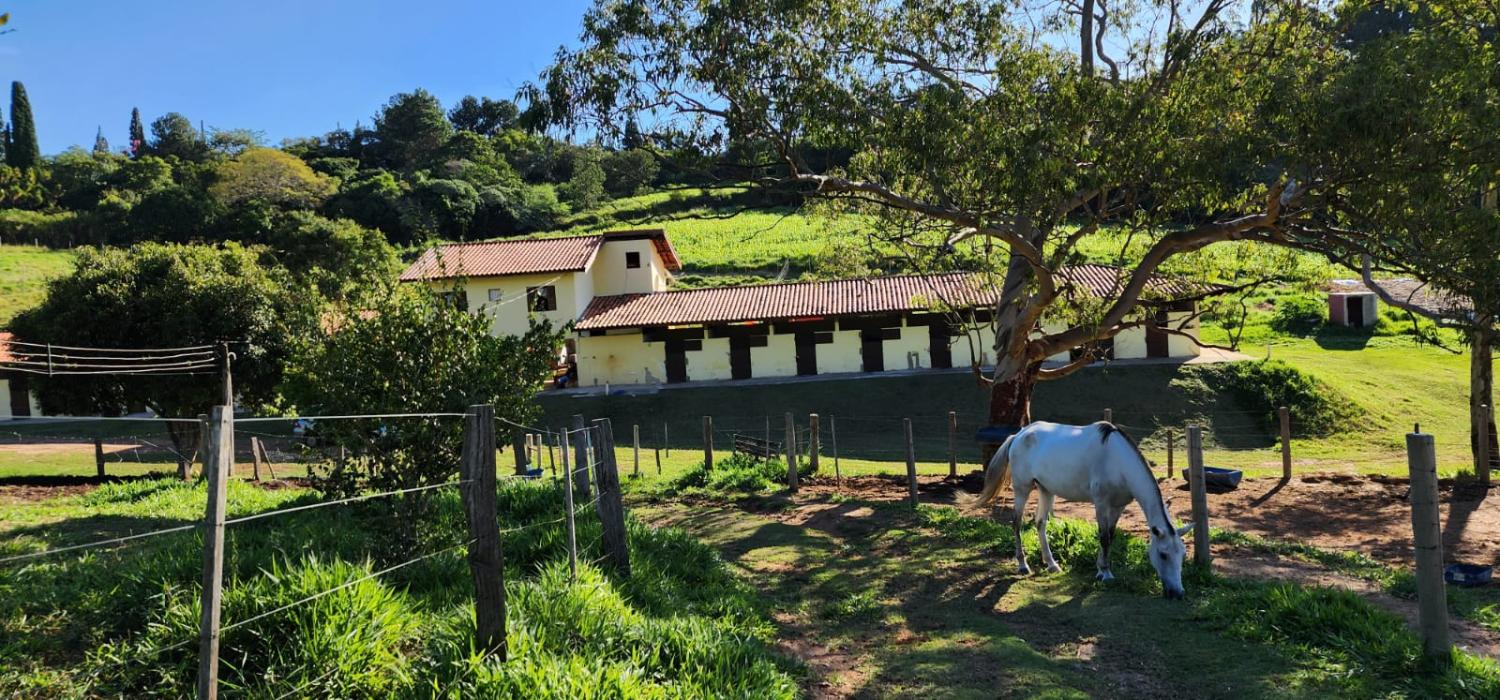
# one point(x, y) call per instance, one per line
point(4, 138)
point(101, 144)
point(23, 150)
point(137, 132)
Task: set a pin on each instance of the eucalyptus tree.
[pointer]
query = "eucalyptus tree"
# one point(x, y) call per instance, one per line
point(1030, 132)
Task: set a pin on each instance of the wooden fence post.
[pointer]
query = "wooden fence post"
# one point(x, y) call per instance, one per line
point(611, 508)
point(99, 456)
point(953, 444)
point(635, 431)
point(833, 437)
point(1285, 415)
point(1171, 449)
point(581, 455)
point(185, 469)
point(486, 558)
point(551, 455)
point(812, 443)
point(255, 457)
point(666, 439)
point(1109, 415)
point(768, 430)
point(1432, 599)
point(568, 506)
point(220, 442)
point(791, 454)
point(911, 464)
point(266, 457)
point(708, 442)
point(1199, 488)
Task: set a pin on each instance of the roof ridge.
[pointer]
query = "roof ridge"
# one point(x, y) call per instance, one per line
point(909, 275)
point(517, 239)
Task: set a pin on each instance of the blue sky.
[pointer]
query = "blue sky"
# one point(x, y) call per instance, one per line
point(286, 68)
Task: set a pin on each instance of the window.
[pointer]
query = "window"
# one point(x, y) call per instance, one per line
point(542, 298)
point(497, 294)
point(632, 259)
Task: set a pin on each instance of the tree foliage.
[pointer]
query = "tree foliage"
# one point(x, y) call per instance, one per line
point(272, 176)
point(1180, 124)
point(158, 295)
point(412, 352)
point(21, 148)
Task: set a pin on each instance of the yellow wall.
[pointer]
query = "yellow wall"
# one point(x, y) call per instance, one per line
point(610, 276)
point(5, 399)
point(1178, 346)
point(621, 359)
point(842, 355)
point(778, 358)
point(509, 315)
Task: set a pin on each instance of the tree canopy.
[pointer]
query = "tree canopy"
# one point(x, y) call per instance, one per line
point(982, 127)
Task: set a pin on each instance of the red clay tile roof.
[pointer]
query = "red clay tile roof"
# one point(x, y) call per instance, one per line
point(781, 301)
point(773, 302)
point(526, 256)
point(512, 257)
point(1106, 281)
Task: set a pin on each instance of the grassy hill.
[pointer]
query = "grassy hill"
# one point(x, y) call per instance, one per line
point(24, 271)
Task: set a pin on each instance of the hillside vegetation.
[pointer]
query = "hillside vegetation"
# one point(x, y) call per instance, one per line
point(24, 271)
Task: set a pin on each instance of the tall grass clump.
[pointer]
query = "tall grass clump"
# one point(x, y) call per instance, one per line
point(737, 473)
point(124, 622)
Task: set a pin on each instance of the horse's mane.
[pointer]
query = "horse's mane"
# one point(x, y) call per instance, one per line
point(1107, 429)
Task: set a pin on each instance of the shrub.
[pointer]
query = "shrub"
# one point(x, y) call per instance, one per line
point(1317, 408)
point(1298, 315)
point(739, 473)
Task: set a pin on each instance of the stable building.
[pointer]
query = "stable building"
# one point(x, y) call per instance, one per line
point(630, 328)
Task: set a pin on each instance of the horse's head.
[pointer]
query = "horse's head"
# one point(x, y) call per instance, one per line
point(1166, 551)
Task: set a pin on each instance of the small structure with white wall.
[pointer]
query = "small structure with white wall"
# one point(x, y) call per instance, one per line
point(16, 400)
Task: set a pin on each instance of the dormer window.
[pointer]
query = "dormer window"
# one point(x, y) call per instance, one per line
point(632, 259)
point(542, 298)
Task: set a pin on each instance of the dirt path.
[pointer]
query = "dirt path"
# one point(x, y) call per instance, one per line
point(876, 607)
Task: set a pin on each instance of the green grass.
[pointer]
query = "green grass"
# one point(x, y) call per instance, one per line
point(24, 271)
point(105, 622)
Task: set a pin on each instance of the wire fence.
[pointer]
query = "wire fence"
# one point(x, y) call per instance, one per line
point(316, 446)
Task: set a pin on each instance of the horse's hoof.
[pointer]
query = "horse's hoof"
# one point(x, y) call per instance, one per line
point(1023, 570)
point(1104, 576)
point(1054, 568)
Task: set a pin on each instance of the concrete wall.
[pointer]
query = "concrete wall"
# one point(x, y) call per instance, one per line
point(5, 399)
point(610, 276)
point(621, 359)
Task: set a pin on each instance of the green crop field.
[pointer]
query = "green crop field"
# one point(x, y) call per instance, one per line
point(24, 271)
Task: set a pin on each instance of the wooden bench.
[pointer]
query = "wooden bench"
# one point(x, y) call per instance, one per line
point(756, 447)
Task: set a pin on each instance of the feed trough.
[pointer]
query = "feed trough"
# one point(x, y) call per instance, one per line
point(1220, 478)
point(1467, 575)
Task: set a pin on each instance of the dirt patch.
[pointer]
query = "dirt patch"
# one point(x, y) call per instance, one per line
point(1244, 563)
point(27, 493)
point(1367, 514)
point(43, 449)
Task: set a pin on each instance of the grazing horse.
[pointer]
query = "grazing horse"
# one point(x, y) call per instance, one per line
point(1096, 463)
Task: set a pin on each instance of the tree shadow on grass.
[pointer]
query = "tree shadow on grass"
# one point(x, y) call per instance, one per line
point(951, 621)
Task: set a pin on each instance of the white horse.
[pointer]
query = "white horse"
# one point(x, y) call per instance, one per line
point(1096, 463)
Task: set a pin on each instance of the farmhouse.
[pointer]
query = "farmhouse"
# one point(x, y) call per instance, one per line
point(15, 391)
point(629, 328)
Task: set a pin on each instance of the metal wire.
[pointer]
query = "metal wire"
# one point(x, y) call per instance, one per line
point(100, 543)
point(272, 419)
point(341, 587)
point(353, 499)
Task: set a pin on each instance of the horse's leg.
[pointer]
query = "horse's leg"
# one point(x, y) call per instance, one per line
point(1107, 516)
point(1023, 493)
point(1043, 512)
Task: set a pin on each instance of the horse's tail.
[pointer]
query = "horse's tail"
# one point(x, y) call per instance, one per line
point(997, 475)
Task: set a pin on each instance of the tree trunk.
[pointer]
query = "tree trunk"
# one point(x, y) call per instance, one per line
point(184, 436)
point(1086, 36)
point(1481, 394)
